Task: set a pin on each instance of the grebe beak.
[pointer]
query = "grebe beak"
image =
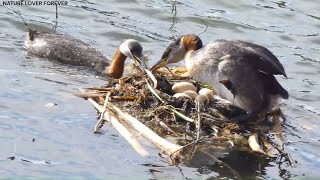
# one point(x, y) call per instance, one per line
point(139, 61)
point(161, 63)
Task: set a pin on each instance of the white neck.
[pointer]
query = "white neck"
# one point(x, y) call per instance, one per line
point(188, 59)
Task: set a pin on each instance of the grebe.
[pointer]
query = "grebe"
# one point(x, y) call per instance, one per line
point(239, 71)
point(69, 50)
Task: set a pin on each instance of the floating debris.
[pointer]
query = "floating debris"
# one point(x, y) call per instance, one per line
point(254, 144)
point(197, 122)
point(51, 105)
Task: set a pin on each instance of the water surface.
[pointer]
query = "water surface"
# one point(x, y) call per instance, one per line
point(58, 142)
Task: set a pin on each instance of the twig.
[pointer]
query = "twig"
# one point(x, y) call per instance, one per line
point(174, 11)
point(153, 79)
point(189, 144)
point(163, 144)
point(283, 154)
point(185, 135)
point(120, 128)
point(17, 12)
point(194, 149)
point(100, 89)
point(172, 109)
point(154, 92)
point(199, 121)
point(167, 127)
point(56, 24)
point(143, 67)
point(221, 118)
point(123, 98)
point(170, 71)
point(101, 119)
point(89, 94)
point(204, 29)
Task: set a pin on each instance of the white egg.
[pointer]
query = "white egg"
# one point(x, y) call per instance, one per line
point(207, 92)
point(202, 99)
point(183, 86)
point(178, 95)
point(191, 93)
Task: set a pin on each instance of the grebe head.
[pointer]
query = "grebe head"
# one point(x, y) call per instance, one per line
point(132, 49)
point(129, 48)
point(175, 51)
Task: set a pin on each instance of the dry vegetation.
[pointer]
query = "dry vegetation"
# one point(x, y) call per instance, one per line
point(177, 118)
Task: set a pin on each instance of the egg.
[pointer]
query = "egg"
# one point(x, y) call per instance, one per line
point(207, 92)
point(181, 87)
point(202, 99)
point(191, 93)
point(178, 95)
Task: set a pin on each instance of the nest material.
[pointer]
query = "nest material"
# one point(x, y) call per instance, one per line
point(218, 135)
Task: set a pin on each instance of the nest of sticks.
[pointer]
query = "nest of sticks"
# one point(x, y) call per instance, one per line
point(198, 130)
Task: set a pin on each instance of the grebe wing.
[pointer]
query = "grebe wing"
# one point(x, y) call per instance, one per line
point(262, 59)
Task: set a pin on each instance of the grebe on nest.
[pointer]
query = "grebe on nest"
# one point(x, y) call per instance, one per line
point(69, 50)
point(239, 71)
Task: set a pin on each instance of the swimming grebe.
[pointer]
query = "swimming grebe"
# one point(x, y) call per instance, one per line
point(239, 71)
point(69, 50)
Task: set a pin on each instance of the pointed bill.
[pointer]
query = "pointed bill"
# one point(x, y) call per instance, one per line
point(159, 64)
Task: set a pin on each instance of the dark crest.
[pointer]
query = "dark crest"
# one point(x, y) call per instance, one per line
point(173, 45)
point(199, 44)
point(135, 48)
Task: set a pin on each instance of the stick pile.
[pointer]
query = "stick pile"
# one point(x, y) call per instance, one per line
point(149, 108)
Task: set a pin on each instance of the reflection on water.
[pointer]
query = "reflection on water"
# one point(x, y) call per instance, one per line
point(63, 134)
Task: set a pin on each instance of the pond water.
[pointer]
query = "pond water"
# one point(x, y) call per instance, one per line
point(58, 142)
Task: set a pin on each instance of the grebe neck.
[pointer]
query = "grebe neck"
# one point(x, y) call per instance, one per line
point(117, 66)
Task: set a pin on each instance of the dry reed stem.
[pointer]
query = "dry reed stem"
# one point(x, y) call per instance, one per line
point(120, 128)
point(160, 142)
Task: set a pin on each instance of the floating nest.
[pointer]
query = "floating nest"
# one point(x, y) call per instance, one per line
point(178, 119)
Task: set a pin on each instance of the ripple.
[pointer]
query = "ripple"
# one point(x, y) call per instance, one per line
point(310, 108)
point(304, 58)
point(137, 30)
point(265, 6)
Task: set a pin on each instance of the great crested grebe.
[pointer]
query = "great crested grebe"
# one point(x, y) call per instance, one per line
point(239, 71)
point(69, 50)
